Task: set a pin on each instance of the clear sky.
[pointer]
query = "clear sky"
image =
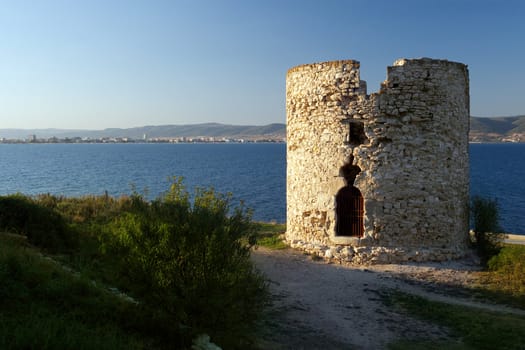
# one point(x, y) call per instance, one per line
point(94, 64)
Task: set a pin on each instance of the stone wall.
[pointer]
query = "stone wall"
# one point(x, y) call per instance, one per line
point(410, 141)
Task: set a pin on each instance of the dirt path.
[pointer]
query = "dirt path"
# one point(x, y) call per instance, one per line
point(318, 305)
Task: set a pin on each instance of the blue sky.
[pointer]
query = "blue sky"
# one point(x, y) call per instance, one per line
point(123, 63)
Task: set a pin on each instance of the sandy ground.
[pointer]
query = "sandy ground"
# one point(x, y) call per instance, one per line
point(318, 305)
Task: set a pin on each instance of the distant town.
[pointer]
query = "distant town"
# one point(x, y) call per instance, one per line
point(145, 139)
point(473, 138)
point(479, 137)
point(192, 133)
point(482, 130)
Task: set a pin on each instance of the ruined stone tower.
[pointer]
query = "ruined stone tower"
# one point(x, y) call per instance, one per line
point(383, 177)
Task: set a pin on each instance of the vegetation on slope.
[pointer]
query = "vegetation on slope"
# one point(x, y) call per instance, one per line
point(186, 263)
point(498, 125)
point(189, 130)
point(497, 128)
point(45, 307)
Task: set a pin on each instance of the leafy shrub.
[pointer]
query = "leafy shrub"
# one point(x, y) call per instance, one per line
point(85, 209)
point(487, 230)
point(190, 258)
point(43, 227)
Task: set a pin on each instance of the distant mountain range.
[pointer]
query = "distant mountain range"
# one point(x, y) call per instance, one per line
point(216, 130)
point(495, 129)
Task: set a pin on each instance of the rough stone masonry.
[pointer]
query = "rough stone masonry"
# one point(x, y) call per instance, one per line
point(378, 178)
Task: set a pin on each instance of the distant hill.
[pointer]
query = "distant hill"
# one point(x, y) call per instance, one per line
point(497, 129)
point(494, 129)
point(274, 131)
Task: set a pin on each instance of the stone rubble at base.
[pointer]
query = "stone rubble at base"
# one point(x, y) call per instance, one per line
point(375, 255)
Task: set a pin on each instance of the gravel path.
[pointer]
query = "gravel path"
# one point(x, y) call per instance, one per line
point(318, 305)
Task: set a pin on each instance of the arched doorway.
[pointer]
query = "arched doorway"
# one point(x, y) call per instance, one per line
point(349, 212)
point(349, 203)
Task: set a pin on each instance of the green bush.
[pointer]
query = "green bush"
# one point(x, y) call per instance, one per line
point(85, 209)
point(487, 230)
point(190, 258)
point(43, 227)
point(184, 257)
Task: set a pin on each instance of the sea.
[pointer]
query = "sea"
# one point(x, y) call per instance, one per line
point(254, 173)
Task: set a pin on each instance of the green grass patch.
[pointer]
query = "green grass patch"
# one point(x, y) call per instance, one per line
point(504, 280)
point(270, 235)
point(45, 307)
point(507, 270)
point(472, 328)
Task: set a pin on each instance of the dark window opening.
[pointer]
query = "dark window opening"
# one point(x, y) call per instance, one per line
point(349, 212)
point(356, 133)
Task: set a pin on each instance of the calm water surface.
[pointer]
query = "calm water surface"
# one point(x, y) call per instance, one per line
point(498, 171)
point(254, 173)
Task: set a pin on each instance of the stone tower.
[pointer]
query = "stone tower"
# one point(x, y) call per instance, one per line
point(378, 178)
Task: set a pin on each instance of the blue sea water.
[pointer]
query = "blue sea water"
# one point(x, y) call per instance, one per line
point(253, 173)
point(497, 171)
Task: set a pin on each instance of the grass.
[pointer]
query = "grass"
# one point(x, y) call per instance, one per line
point(270, 235)
point(503, 282)
point(471, 328)
point(507, 271)
point(45, 307)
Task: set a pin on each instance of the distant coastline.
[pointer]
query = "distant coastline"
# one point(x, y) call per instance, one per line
point(497, 129)
point(192, 133)
point(187, 140)
point(482, 130)
point(495, 142)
